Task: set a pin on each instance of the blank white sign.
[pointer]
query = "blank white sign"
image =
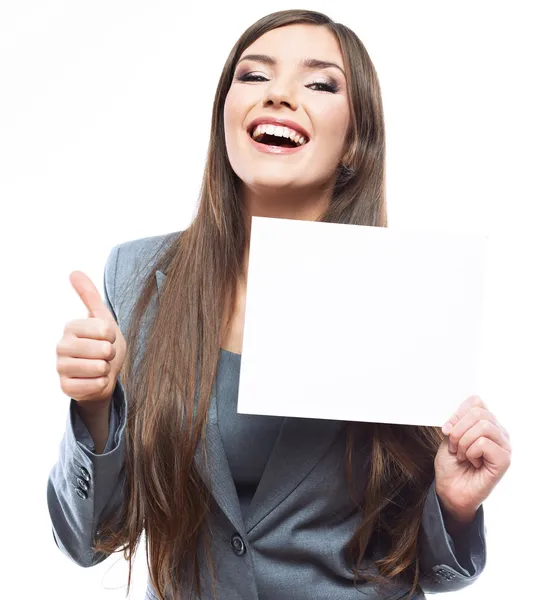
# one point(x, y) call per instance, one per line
point(358, 323)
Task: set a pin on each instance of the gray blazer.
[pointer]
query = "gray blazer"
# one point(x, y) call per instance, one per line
point(291, 543)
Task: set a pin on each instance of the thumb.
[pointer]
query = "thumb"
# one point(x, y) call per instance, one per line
point(89, 295)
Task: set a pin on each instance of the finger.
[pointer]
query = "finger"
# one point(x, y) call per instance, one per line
point(86, 348)
point(89, 295)
point(464, 407)
point(75, 387)
point(82, 367)
point(496, 458)
point(91, 328)
point(482, 428)
point(474, 415)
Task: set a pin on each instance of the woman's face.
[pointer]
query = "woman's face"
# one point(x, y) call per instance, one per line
point(292, 76)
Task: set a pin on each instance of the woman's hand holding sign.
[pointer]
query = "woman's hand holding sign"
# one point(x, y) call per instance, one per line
point(471, 460)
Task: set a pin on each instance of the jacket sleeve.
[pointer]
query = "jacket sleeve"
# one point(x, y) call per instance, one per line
point(449, 563)
point(81, 432)
point(84, 488)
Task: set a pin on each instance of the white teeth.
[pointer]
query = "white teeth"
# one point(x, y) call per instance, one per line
point(279, 131)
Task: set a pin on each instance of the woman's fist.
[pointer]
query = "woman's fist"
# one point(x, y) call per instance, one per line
point(91, 352)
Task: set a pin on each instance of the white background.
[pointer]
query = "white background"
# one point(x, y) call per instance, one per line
point(104, 120)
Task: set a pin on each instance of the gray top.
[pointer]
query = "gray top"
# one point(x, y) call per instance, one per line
point(248, 439)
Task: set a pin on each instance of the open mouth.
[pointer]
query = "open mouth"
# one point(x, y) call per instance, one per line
point(274, 135)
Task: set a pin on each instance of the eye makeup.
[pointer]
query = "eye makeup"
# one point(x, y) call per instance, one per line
point(330, 85)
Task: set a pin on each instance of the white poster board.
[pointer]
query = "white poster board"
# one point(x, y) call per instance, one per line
point(359, 323)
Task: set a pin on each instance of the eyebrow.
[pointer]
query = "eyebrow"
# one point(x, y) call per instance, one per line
point(308, 63)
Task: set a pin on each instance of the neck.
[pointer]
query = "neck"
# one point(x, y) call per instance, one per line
point(299, 205)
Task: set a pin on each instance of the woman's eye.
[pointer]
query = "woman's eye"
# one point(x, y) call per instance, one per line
point(324, 87)
point(251, 77)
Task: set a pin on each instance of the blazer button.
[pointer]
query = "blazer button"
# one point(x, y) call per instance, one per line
point(80, 493)
point(85, 473)
point(82, 484)
point(238, 545)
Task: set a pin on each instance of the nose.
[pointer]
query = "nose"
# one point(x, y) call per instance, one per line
point(280, 96)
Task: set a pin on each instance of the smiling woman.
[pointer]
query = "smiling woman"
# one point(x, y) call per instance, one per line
point(291, 80)
point(244, 506)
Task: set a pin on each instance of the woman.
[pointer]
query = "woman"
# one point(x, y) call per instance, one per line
point(243, 506)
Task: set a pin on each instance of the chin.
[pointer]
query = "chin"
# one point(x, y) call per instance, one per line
point(274, 185)
point(269, 179)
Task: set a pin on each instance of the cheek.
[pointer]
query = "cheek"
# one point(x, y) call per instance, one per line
point(335, 124)
point(235, 110)
point(331, 125)
point(230, 112)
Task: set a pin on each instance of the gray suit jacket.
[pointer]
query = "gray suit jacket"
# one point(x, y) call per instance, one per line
point(291, 543)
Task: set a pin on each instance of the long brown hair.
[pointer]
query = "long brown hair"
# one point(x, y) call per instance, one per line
point(164, 494)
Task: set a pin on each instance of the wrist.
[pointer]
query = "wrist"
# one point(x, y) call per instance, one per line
point(456, 516)
point(94, 410)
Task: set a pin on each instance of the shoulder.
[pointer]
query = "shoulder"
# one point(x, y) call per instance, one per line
point(138, 254)
point(145, 247)
point(130, 263)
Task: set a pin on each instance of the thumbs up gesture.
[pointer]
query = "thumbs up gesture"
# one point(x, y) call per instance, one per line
point(91, 352)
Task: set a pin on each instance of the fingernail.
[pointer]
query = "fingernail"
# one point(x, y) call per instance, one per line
point(447, 428)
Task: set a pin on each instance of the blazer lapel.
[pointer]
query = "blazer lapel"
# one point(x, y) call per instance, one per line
point(300, 445)
point(216, 474)
point(160, 280)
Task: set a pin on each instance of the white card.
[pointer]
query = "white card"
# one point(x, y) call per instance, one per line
point(358, 323)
